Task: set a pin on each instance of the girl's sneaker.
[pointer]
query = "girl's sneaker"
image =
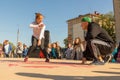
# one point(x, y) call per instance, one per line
point(47, 60)
point(26, 59)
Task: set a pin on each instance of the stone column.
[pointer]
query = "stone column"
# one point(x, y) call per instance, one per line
point(116, 5)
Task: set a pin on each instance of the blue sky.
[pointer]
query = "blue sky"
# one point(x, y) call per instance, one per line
point(16, 14)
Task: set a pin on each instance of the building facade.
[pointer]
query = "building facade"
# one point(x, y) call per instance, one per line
point(74, 29)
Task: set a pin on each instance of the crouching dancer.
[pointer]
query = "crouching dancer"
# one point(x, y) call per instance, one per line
point(98, 42)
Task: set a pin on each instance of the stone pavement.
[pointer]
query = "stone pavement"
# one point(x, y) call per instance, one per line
point(37, 69)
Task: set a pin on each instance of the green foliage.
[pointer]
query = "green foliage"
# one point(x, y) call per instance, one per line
point(0, 44)
point(108, 23)
point(13, 46)
point(66, 42)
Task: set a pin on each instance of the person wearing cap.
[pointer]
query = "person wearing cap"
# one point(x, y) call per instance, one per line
point(38, 33)
point(98, 42)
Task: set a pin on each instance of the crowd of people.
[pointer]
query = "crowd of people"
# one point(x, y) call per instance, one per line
point(7, 50)
point(98, 45)
point(74, 51)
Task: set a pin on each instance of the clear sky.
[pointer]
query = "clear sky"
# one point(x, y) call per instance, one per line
point(16, 14)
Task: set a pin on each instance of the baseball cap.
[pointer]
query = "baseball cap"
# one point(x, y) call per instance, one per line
point(86, 19)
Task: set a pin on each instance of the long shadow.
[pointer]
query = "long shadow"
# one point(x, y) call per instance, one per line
point(38, 61)
point(11, 61)
point(59, 77)
point(67, 63)
point(64, 63)
point(115, 68)
point(106, 72)
point(72, 64)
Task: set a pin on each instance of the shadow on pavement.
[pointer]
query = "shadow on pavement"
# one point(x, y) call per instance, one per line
point(11, 61)
point(115, 68)
point(68, 63)
point(63, 63)
point(106, 72)
point(59, 77)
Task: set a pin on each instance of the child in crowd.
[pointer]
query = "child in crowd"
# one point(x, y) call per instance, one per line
point(25, 50)
point(77, 50)
point(69, 50)
point(114, 54)
point(48, 52)
point(54, 51)
point(19, 50)
point(118, 57)
point(7, 48)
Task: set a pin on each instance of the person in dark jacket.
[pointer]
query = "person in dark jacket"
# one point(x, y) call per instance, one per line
point(98, 42)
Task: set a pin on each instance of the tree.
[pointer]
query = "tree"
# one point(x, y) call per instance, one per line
point(107, 21)
point(66, 42)
point(13, 46)
point(0, 44)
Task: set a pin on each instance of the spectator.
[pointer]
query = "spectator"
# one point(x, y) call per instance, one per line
point(25, 50)
point(54, 51)
point(7, 48)
point(58, 51)
point(19, 50)
point(77, 49)
point(48, 53)
point(69, 50)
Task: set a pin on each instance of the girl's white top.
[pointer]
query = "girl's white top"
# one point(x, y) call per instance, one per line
point(38, 32)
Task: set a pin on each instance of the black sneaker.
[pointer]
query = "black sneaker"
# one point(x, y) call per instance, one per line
point(97, 63)
point(94, 61)
point(107, 58)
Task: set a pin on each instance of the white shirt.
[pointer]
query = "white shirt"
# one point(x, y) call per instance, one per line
point(20, 49)
point(6, 48)
point(38, 32)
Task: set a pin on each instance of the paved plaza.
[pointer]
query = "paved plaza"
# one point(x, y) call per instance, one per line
point(37, 69)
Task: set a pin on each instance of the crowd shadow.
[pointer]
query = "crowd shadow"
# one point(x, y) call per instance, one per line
point(11, 61)
point(115, 68)
point(37, 61)
point(51, 62)
point(107, 72)
point(67, 63)
point(59, 77)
